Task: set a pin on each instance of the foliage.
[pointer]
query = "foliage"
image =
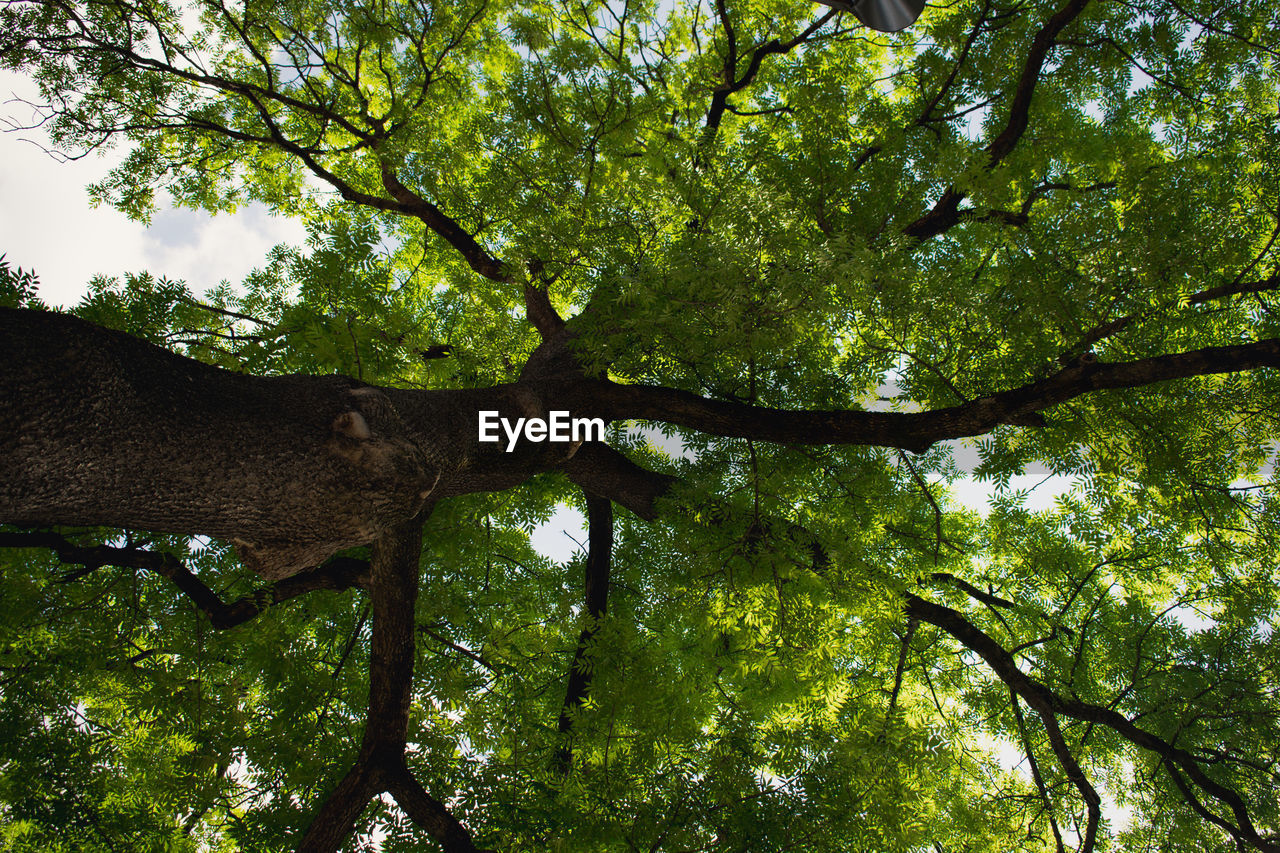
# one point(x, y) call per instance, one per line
point(756, 202)
point(18, 287)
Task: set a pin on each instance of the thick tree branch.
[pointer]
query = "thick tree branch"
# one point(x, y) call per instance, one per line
point(429, 813)
point(595, 603)
point(1092, 802)
point(337, 574)
point(1235, 288)
point(1020, 108)
point(380, 766)
point(101, 428)
point(601, 470)
point(537, 302)
point(914, 430)
point(337, 816)
point(393, 593)
point(296, 468)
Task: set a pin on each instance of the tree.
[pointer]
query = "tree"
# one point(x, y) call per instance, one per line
point(795, 265)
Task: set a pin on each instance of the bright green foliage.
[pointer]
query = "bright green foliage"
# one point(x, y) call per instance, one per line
point(750, 689)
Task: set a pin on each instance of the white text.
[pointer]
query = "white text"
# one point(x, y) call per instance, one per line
point(558, 426)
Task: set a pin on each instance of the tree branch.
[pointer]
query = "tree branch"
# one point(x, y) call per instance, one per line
point(537, 303)
point(380, 766)
point(599, 469)
point(733, 84)
point(429, 813)
point(595, 603)
point(337, 815)
point(1036, 776)
point(476, 256)
point(926, 115)
point(915, 431)
point(1092, 802)
point(393, 592)
point(337, 574)
point(1046, 701)
point(1020, 109)
point(946, 210)
point(1235, 288)
point(985, 597)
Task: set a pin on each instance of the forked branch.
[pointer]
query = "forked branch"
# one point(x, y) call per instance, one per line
point(1184, 767)
point(946, 212)
point(733, 81)
point(380, 765)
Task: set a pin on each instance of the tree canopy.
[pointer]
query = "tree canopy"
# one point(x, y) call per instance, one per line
point(265, 589)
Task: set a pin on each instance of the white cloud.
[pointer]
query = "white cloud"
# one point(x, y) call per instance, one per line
point(47, 224)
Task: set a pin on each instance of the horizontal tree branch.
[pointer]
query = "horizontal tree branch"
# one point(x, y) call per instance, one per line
point(337, 574)
point(915, 431)
point(1235, 288)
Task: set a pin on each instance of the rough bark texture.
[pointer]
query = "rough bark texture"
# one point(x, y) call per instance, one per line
point(100, 428)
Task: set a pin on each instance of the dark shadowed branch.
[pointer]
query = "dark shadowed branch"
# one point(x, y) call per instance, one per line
point(595, 603)
point(601, 470)
point(429, 813)
point(915, 431)
point(476, 256)
point(1036, 775)
point(1092, 802)
point(339, 812)
point(380, 766)
point(734, 82)
point(1050, 705)
point(946, 210)
point(337, 574)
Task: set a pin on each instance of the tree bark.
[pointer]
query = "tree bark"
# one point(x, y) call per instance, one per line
point(100, 428)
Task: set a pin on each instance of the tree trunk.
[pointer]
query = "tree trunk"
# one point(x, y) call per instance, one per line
point(100, 428)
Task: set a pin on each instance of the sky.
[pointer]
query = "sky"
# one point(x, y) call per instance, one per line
point(47, 223)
